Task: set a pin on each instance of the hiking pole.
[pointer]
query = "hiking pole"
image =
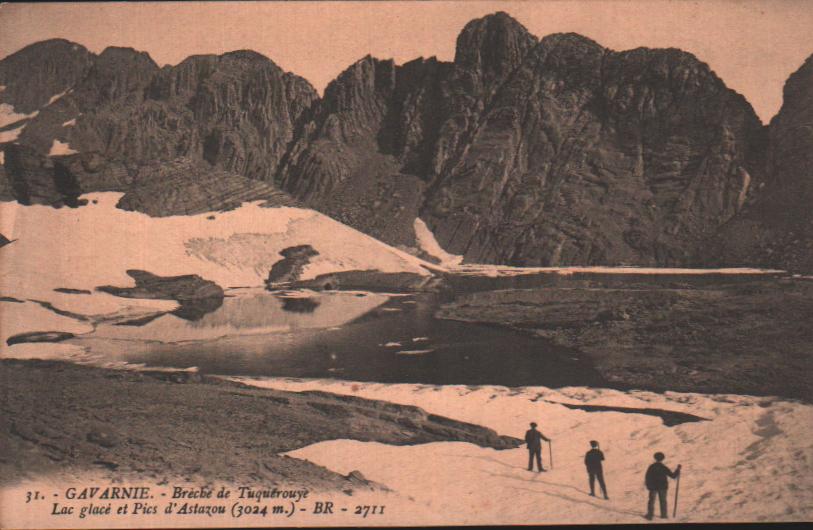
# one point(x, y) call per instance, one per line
point(677, 490)
point(550, 452)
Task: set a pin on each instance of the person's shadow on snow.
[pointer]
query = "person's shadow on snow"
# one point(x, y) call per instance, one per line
point(486, 459)
point(601, 505)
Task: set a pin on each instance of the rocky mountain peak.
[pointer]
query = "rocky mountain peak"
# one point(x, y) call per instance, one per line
point(522, 151)
point(248, 56)
point(36, 73)
point(362, 79)
point(569, 40)
point(493, 46)
point(797, 94)
point(119, 73)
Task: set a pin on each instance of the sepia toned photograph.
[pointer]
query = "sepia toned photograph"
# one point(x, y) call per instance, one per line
point(406, 263)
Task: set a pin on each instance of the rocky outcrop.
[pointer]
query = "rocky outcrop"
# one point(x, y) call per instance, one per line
point(31, 176)
point(177, 187)
point(776, 229)
point(744, 336)
point(152, 286)
point(195, 295)
point(35, 178)
point(103, 426)
point(187, 187)
point(89, 171)
point(290, 267)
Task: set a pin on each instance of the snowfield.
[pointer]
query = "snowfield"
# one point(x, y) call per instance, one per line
point(750, 461)
point(83, 248)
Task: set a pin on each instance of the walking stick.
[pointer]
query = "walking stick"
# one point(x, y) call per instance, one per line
point(677, 490)
point(550, 453)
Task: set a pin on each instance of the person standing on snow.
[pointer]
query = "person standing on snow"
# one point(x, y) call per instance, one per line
point(657, 482)
point(533, 439)
point(595, 469)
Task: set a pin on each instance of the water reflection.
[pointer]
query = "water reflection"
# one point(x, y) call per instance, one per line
point(343, 335)
point(300, 305)
point(249, 312)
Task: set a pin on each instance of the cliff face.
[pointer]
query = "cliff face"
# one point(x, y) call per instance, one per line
point(776, 230)
point(234, 114)
point(521, 151)
point(534, 153)
point(33, 75)
point(349, 160)
point(186, 187)
point(237, 111)
point(240, 108)
point(587, 156)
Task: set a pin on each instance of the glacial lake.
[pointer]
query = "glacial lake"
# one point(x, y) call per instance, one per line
point(359, 336)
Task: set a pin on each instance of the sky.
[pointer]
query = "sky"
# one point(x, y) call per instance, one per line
point(753, 45)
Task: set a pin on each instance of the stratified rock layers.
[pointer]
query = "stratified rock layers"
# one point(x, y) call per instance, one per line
point(536, 153)
point(521, 151)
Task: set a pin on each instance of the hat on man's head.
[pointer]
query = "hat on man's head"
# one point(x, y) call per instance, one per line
point(533, 424)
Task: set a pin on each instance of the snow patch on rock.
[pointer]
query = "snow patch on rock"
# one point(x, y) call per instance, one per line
point(60, 148)
point(427, 242)
point(56, 97)
point(9, 116)
point(11, 135)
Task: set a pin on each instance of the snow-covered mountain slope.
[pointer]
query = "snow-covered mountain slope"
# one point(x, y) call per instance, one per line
point(82, 248)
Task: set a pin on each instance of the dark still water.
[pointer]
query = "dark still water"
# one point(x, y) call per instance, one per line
point(343, 335)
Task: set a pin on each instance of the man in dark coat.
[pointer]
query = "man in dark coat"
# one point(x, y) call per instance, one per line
point(595, 469)
point(657, 482)
point(533, 439)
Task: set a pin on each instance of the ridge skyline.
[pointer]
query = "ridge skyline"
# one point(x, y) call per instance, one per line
point(284, 48)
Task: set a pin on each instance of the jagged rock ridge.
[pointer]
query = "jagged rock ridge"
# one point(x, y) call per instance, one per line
point(529, 152)
point(237, 111)
point(521, 151)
